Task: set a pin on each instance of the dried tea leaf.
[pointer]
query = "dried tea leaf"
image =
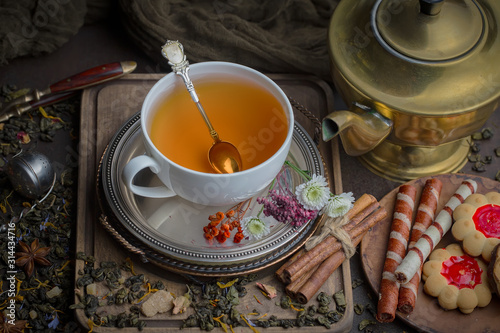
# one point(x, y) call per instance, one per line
point(474, 158)
point(285, 302)
point(334, 316)
point(323, 309)
point(477, 136)
point(356, 283)
point(233, 296)
point(324, 321)
point(324, 299)
point(475, 147)
point(487, 133)
point(339, 298)
point(18, 93)
point(365, 323)
point(478, 167)
point(359, 308)
point(369, 307)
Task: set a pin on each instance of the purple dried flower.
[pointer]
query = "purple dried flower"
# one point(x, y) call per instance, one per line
point(285, 208)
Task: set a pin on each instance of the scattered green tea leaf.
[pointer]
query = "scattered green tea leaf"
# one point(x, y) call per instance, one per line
point(365, 323)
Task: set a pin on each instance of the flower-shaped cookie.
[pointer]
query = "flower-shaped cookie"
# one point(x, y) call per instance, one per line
point(456, 279)
point(477, 224)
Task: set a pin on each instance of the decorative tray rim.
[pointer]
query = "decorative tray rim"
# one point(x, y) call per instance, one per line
point(121, 231)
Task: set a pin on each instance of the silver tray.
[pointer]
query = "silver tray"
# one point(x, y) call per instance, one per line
point(169, 231)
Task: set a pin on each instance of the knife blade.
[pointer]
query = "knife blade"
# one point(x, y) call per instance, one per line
point(19, 109)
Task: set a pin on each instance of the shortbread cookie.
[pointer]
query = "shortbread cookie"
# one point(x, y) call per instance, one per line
point(477, 224)
point(456, 279)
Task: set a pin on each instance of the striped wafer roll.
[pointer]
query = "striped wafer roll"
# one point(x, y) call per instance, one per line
point(426, 209)
point(419, 253)
point(425, 215)
point(408, 293)
point(396, 250)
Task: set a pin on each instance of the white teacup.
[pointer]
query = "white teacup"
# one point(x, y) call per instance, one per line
point(199, 187)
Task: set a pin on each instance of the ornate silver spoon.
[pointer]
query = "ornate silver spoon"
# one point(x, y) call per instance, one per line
point(223, 156)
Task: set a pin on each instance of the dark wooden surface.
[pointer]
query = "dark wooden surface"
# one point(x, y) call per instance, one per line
point(104, 43)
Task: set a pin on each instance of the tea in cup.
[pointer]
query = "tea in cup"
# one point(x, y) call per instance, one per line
point(247, 108)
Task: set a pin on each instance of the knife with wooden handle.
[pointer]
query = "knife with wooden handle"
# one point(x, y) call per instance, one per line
point(78, 81)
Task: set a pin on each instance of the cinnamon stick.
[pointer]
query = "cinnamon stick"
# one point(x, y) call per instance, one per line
point(358, 225)
point(292, 288)
point(363, 202)
point(326, 248)
point(320, 276)
point(328, 266)
point(279, 271)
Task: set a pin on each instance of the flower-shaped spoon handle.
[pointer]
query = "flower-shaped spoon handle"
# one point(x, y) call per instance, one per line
point(173, 51)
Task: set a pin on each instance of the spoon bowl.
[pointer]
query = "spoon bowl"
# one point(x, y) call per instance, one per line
point(223, 156)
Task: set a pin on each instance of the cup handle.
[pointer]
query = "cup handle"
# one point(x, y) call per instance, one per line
point(137, 164)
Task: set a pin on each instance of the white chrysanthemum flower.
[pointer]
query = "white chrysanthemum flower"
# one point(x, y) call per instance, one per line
point(254, 228)
point(314, 194)
point(339, 205)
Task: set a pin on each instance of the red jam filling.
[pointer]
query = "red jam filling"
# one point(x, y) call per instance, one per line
point(487, 220)
point(462, 272)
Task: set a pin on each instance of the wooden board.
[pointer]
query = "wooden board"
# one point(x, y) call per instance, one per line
point(104, 109)
point(428, 316)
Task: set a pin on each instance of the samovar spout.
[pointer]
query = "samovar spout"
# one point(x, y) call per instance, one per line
point(359, 132)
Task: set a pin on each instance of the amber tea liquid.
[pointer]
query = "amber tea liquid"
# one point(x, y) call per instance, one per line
point(242, 112)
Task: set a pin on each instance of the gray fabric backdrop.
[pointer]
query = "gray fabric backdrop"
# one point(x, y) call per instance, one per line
point(279, 36)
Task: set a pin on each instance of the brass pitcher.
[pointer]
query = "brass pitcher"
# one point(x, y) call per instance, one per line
point(429, 68)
